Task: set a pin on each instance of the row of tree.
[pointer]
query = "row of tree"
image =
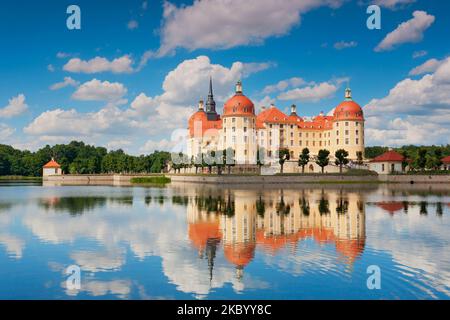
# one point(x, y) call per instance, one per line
point(225, 159)
point(79, 158)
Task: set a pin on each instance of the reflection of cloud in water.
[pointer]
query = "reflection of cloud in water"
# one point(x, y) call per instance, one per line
point(148, 233)
point(14, 245)
point(96, 288)
point(426, 257)
point(95, 261)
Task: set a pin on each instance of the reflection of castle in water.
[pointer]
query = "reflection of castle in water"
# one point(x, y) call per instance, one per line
point(273, 220)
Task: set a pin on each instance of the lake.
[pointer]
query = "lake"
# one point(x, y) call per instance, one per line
point(188, 241)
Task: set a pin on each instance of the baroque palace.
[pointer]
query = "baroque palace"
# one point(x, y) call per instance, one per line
point(239, 128)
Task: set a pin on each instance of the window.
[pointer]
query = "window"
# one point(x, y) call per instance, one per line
point(337, 132)
point(357, 132)
point(233, 129)
point(346, 124)
point(292, 142)
point(382, 167)
point(320, 143)
point(245, 109)
point(300, 135)
point(245, 129)
point(292, 134)
point(357, 141)
point(233, 120)
point(347, 141)
point(320, 135)
point(346, 132)
point(270, 126)
point(300, 142)
point(225, 130)
point(314, 143)
point(337, 141)
point(269, 153)
point(245, 139)
point(245, 152)
point(224, 120)
point(262, 133)
point(307, 134)
point(270, 141)
point(357, 123)
point(233, 139)
point(292, 127)
point(337, 124)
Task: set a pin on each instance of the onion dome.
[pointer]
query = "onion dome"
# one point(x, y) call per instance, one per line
point(348, 109)
point(240, 254)
point(239, 104)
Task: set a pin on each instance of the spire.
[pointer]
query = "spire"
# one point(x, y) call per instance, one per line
point(211, 104)
point(239, 87)
point(210, 94)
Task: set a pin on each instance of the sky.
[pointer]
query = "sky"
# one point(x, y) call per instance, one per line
point(133, 74)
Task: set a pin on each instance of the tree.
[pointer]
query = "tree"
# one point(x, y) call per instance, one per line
point(341, 156)
point(283, 156)
point(230, 162)
point(405, 163)
point(359, 157)
point(303, 159)
point(421, 160)
point(323, 158)
point(260, 159)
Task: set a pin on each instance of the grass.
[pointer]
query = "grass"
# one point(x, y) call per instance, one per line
point(350, 172)
point(21, 178)
point(425, 173)
point(151, 180)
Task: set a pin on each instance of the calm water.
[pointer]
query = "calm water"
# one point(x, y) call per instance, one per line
point(199, 242)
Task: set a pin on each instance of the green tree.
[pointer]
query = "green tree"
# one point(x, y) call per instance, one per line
point(323, 158)
point(283, 156)
point(421, 160)
point(230, 159)
point(303, 159)
point(359, 157)
point(341, 156)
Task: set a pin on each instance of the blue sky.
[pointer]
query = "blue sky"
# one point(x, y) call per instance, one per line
point(133, 74)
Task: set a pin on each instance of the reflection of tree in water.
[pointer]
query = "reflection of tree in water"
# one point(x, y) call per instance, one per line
point(281, 206)
point(423, 207)
point(405, 206)
point(324, 206)
point(5, 206)
point(439, 210)
point(73, 205)
point(180, 200)
point(148, 200)
point(260, 207)
point(342, 205)
point(216, 204)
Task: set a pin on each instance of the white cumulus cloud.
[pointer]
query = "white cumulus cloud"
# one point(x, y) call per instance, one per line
point(96, 90)
point(100, 64)
point(68, 81)
point(15, 107)
point(247, 22)
point(410, 31)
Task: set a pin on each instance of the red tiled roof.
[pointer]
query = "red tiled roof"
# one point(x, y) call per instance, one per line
point(446, 160)
point(390, 156)
point(52, 164)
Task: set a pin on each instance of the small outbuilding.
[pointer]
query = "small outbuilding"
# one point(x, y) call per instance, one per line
point(389, 162)
point(51, 168)
point(446, 163)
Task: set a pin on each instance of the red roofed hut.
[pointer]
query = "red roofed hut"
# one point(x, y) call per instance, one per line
point(388, 162)
point(446, 163)
point(51, 168)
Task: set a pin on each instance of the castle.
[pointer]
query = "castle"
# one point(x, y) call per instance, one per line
point(239, 128)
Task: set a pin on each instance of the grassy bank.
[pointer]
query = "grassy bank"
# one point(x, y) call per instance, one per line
point(151, 180)
point(21, 178)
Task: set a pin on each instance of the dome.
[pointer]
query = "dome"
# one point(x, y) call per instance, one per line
point(348, 109)
point(239, 254)
point(239, 104)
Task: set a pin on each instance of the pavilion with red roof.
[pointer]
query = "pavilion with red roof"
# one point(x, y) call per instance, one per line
point(388, 162)
point(51, 168)
point(446, 163)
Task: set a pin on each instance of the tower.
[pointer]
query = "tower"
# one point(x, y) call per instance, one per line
point(211, 104)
